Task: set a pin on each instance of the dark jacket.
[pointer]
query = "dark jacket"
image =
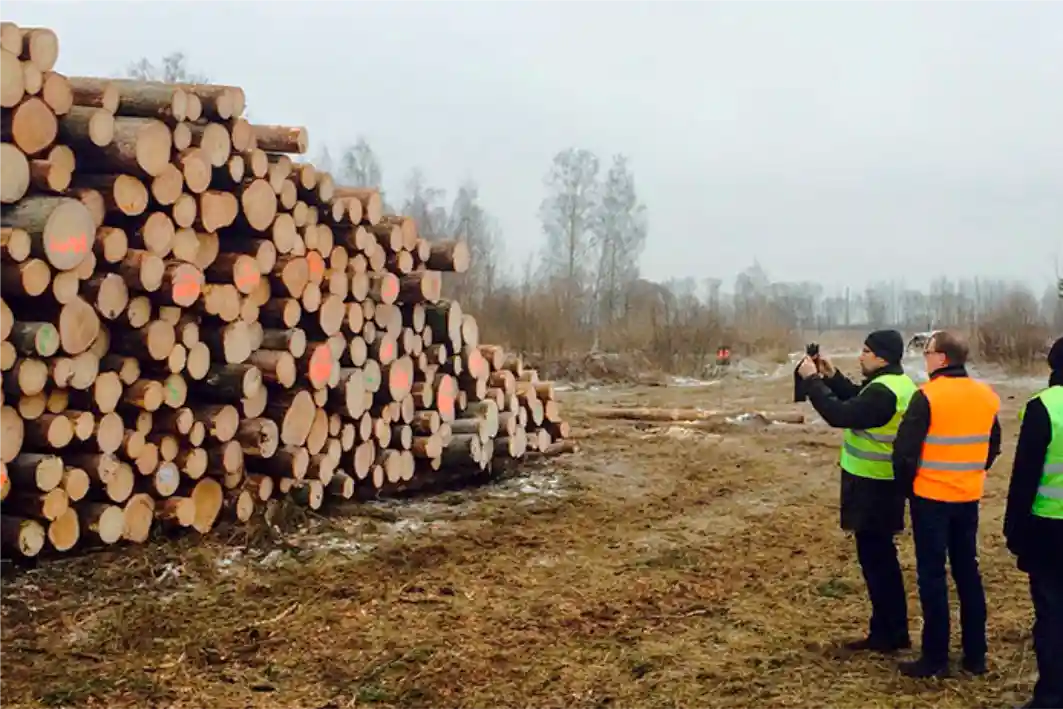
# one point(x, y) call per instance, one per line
point(908, 448)
point(1037, 542)
point(866, 505)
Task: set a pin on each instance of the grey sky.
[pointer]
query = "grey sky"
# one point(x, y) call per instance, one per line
point(817, 137)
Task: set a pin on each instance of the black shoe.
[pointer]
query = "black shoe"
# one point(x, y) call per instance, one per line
point(974, 666)
point(872, 644)
point(924, 669)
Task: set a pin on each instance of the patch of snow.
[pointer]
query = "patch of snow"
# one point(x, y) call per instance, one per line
point(532, 485)
point(681, 433)
point(691, 382)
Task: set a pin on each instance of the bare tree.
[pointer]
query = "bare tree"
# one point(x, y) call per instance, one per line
point(323, 161)
point(877, 305)
point(567, 214)
point(424, 204)
point(469, 221)
point(359, 167)
point(619, 236)
point(172, 69)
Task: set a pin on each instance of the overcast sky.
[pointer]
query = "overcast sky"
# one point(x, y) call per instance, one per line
point(835, 142)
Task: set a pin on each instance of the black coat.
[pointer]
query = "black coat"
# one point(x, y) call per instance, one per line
point(867, 505)
point(1037, 542)
point(908, 448)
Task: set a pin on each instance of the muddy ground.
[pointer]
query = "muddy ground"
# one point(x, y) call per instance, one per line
point(658, 567)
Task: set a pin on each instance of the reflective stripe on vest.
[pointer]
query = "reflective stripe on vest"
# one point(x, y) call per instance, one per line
point(868, 453)
point(1048, 502)
point(952, 464)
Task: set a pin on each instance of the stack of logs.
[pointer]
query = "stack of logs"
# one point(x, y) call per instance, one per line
point(194, 323)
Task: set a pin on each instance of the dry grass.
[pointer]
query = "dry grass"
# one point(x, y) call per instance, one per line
point(659, 567)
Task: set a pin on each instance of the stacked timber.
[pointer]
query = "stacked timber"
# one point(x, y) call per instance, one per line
point(195, 322)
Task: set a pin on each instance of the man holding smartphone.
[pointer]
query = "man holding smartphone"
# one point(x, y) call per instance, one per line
point(872, 504)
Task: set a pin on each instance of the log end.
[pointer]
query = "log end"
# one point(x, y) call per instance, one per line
point(135, 520)
point(154, 142)
point(319, 370)
point(69, 234)
point(12, 431)
point(107, 523)
point(12, 83)
point(208, 497)
point(16, 174)
point(29, 535)
point(187, 285)
point(34, 126)
point(64, 531)
point(78, 326)
point(41, 46)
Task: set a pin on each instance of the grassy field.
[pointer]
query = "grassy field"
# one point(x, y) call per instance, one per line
point(659, 566)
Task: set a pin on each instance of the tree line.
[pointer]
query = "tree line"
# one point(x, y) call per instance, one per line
point(583, 291)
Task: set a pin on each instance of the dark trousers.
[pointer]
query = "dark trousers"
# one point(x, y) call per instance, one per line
point(949, 529)
point(877, 554)
point(1046, 588)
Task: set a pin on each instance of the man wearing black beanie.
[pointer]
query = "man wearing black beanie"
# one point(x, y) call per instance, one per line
point(872, 504)
point(1033, 526)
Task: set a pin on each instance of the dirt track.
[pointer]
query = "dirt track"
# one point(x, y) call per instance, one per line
point(658, 567)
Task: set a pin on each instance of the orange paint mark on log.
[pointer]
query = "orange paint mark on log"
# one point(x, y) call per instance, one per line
point(186, 286)
point(246, 276)
point(399, 380)
point(316, 264)
point(387, 350)
point(77, 244)
point(320, 365)
point(390, 289)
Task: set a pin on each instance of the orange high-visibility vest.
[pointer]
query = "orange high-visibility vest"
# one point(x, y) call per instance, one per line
point(952, 465)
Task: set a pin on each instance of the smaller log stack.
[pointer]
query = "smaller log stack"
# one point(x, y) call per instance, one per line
point(194, 322)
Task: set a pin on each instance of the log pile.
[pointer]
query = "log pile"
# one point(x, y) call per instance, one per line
point(195, 322)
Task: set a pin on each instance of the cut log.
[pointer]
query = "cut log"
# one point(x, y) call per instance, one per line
point(87, 128)
point(423, 286)
point(16, 244)
point(64, 531)
point(35, 338)
point(61, 230)
point(102, 522)
point(40, 46)
point(150, 99)
point(37, 471)
point(14, 173)
point(97, 93)
point(31, 125)
point(372, 207)
point(57, 93)
point(207, 496)
point(12, 84)
point(46, 176)
point(137, 516)
point(141, 147)
point(281, 139)
point(26, 536)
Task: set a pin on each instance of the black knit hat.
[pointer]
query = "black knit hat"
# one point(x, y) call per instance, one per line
point(887, 344)
point(1055, 356)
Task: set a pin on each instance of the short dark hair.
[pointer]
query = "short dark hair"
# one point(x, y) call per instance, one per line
point(952, 345)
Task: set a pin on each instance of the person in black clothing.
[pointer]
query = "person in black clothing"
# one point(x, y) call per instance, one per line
point(870, 508)
point(943, 529)
point(1037, 542)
